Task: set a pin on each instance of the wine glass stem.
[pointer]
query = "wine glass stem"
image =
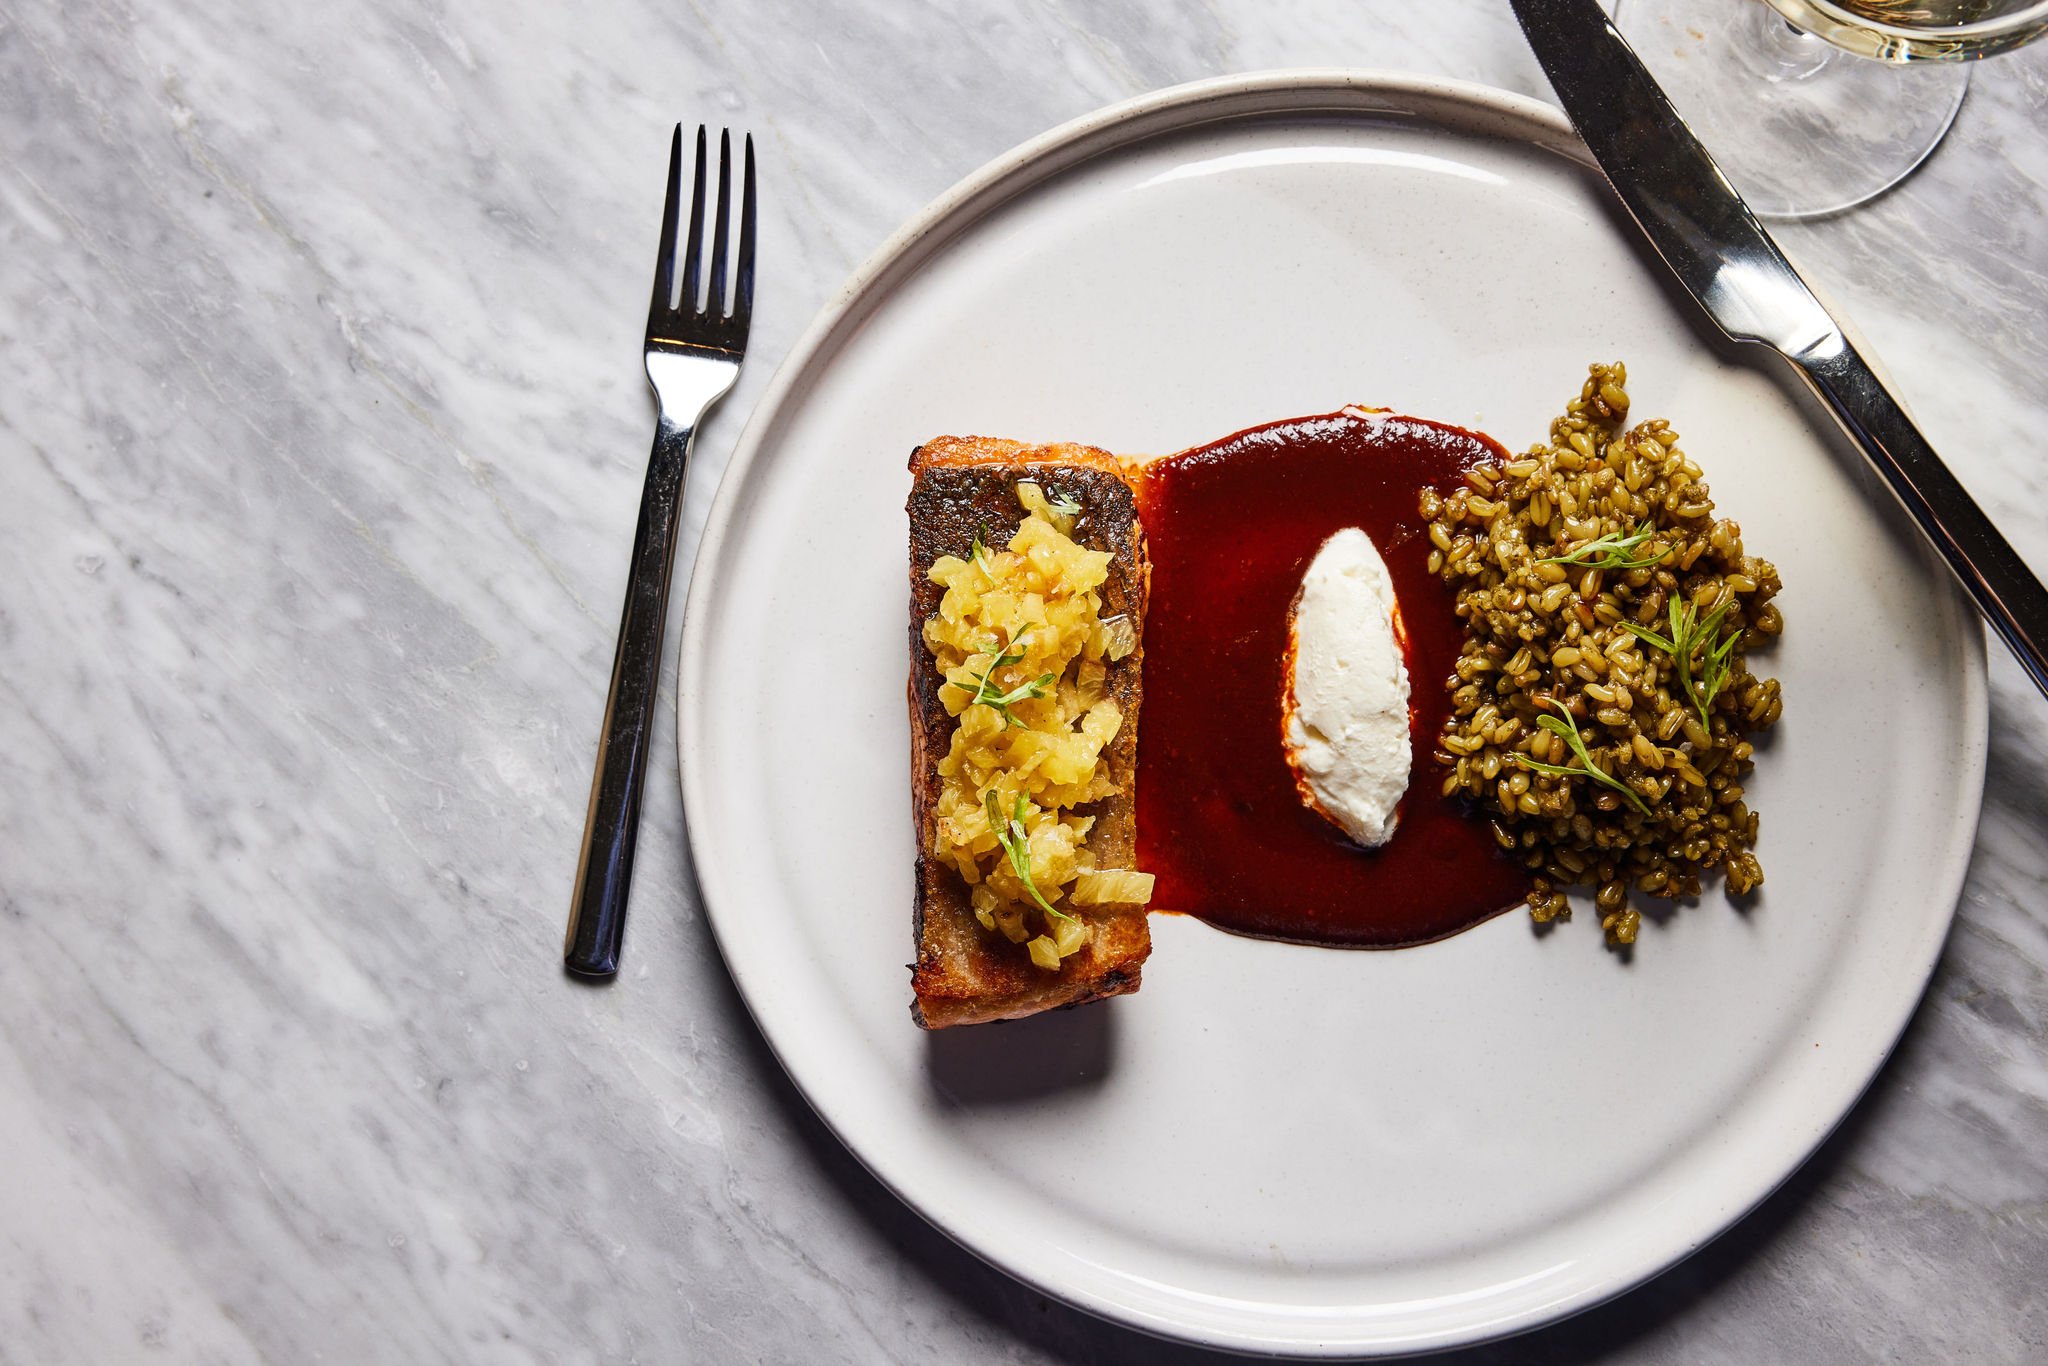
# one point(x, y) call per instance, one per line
point(1783, 51)
point(1800, 126)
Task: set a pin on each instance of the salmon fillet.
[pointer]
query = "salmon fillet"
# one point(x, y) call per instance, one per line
point(965, 974)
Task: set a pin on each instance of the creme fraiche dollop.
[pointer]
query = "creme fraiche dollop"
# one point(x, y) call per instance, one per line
point(1345, 717)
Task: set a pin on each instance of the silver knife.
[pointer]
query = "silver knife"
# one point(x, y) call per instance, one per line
point(1722, 255)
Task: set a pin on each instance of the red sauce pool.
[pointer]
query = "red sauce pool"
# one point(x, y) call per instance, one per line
point(1231, 529)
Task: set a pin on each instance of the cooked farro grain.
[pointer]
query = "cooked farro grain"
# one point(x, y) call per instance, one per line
point(1594, 581)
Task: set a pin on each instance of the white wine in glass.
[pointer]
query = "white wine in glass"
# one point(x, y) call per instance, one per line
point(1920, 30)
point(1816, 106)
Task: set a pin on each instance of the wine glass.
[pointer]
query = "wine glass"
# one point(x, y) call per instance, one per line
point(1815, 106)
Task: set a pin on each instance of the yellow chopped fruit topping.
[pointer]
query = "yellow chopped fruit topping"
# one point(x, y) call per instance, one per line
point(1044, 952)
point(1112, 887)
point(1022, 645)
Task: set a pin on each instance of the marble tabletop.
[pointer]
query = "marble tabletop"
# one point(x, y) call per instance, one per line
point(321, 435)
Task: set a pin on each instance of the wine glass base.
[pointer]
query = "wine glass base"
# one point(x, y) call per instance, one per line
point(1801, 128)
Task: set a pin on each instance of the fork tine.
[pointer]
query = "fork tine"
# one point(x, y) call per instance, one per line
point(695, 249)
point(743, 295)
point(665, 263)
point(714, 303)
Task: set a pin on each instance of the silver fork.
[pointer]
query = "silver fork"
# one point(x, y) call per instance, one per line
point(693, 353)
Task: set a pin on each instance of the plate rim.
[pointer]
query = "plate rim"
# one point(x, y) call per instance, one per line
point(1280, 93)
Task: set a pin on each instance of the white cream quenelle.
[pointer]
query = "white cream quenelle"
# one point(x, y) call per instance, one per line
point(1345, 716)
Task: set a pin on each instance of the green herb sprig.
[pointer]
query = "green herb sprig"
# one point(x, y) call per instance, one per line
point(1001, 656)
point(1692, 636)
point(1017, 847)
point(1066, 505)
point(1612, 551)
point(1568, 730)
point(978, 552)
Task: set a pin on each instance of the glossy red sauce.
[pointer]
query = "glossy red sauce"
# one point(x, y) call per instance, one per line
point(1232, 527)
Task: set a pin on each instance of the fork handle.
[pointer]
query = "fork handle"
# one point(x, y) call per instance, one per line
point(604, 873)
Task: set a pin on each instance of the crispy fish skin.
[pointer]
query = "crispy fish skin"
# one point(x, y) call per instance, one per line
point(964, 974)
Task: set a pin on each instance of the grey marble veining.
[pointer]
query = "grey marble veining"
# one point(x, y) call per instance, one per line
point(321, 427)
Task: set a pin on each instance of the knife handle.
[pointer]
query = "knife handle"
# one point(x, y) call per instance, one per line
point(1992, 572)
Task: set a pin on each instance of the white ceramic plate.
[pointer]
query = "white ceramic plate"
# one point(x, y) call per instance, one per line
point(1273, 1147)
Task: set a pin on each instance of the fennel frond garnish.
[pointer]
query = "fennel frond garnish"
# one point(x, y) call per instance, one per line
point(1017, 847)
point(1568, 731)
point(1691, 638)
point(1611, 551)
point(1002, 657)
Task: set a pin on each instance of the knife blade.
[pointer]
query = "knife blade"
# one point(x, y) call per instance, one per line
point(1719, 251)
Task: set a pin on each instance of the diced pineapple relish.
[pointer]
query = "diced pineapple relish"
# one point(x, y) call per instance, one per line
point(1024, 648)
